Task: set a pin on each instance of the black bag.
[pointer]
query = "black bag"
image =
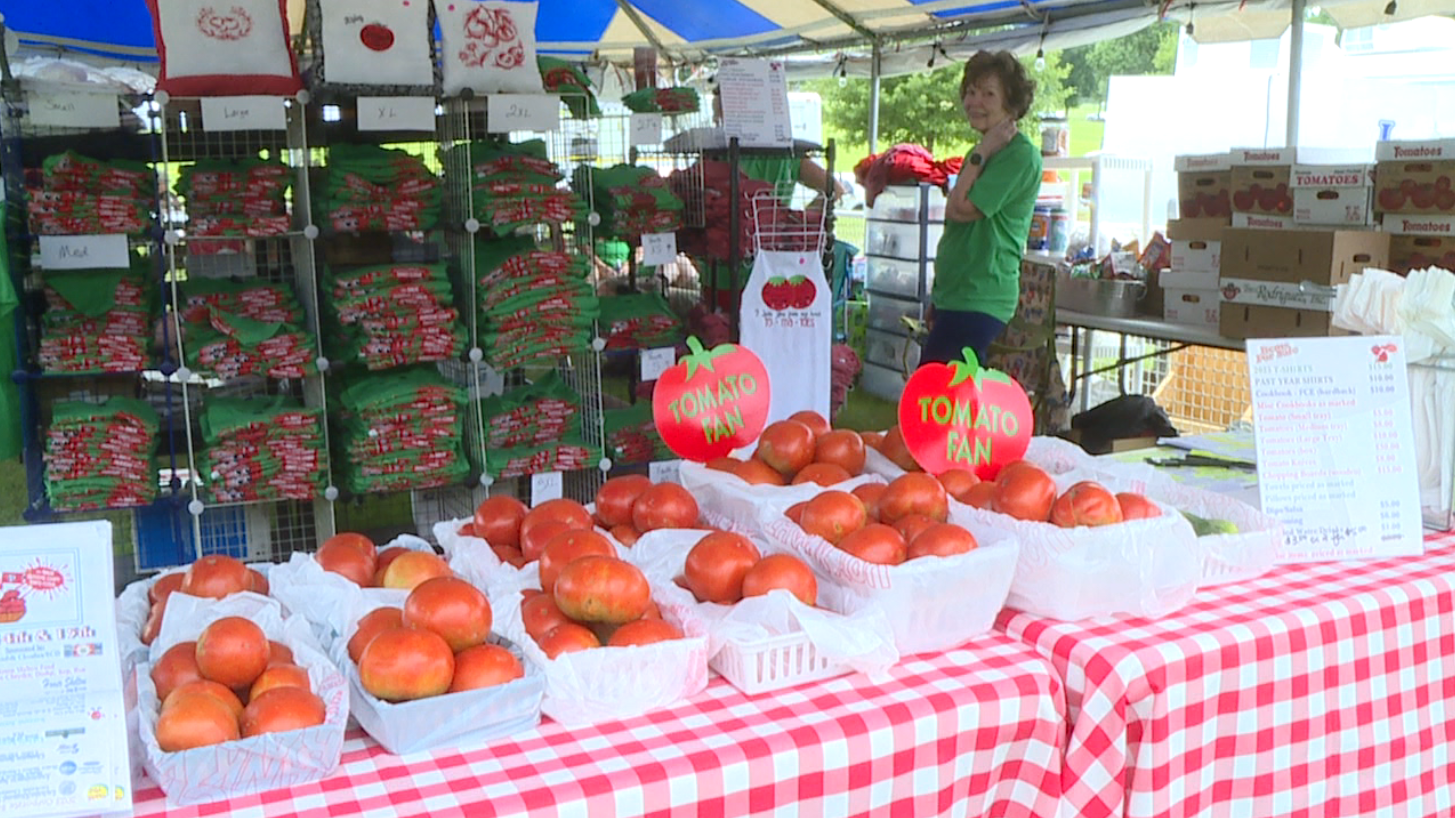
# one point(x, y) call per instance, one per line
point(1123, 417)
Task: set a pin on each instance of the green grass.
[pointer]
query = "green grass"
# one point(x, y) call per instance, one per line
point(863, 412)
point(1086, 134)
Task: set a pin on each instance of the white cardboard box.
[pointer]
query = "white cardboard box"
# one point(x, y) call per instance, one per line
point(1433, 150)
point(1196, 256)
point(1259, 221)
point(1255, 157)
point(1409, 224)
point(1202, 163)
point(1188, 279)
point(1333, 195)
point(1192, 307)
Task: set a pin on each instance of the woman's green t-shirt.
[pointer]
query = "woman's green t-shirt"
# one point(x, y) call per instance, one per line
point(978, 263)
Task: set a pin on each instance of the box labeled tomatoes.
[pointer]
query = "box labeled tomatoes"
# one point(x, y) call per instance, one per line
point(1415, 176)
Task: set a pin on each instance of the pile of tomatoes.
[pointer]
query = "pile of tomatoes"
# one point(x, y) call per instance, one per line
point(801, 449)
point(435, 644)
point(886, 524)
point(231, 683)
point(213, 577)
point(1026, 492)
point(357, 559)
point(724, 568)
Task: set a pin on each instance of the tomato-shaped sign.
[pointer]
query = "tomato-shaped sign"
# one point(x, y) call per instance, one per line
point(959, 416)
point(711, 402)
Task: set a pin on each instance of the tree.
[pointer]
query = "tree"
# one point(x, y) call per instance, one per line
point(1153, 50)
point(924, 108)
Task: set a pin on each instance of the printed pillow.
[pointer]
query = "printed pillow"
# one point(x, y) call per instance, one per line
point(379, 43)
point(489, 46)
point(224, 47)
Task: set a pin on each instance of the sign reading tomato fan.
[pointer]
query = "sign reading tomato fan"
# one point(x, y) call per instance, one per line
point(711, 402)
point(960, 416)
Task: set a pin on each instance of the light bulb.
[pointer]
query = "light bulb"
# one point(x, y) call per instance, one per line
point(1040, 61)
point(843, 81)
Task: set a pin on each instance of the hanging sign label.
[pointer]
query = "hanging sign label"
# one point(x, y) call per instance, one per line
point(255, 113)
point(712, 402)
point(71, 110)
point(656, 361)
point(396, 114)
point(108, 251)
point(522, 112)
point(664, 471)
point(1336, 461)
point(546, 486)
point(960, 416)
point(659, 248)
point(755, 101)
point(62, 710)
point(646, 129)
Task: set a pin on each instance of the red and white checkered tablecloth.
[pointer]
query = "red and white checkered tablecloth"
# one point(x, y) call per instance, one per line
point(1317, 690)
point(976, 731)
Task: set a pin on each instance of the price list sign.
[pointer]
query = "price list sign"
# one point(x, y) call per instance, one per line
point(1336, 459)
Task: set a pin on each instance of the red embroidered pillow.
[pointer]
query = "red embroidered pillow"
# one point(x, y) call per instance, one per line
point(224, 47)
point(488, 47)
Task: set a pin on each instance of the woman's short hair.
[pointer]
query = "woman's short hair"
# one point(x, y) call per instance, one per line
point(1020, 89)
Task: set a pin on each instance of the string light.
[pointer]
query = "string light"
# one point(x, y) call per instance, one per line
point(1389, 10)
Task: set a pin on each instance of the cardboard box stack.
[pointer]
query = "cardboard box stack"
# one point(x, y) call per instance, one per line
point(1190, 284)
point(1416, 202)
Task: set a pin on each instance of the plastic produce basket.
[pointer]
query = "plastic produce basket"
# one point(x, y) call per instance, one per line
point(774, 663)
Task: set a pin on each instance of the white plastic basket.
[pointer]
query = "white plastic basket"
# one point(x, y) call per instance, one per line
point(774, 663)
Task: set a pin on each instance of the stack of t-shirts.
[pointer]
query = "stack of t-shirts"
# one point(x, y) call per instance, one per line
point(268, 448)
point(715, 178)
point(245, 327)
point(639, 321)
point(538, 413)
point(679, 100)
point(100, 455)
point(77, 195)
point(570, 454)
point(395, 314)
point(561, 77)
point(235, 197)
point(401, 430)
point(369, 188)
point(631, 435)
point(533, 303)
point(631, 200)
point(513, 185)
point(97, 320)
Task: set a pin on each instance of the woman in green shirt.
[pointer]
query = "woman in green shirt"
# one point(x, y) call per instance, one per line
point(988, 213)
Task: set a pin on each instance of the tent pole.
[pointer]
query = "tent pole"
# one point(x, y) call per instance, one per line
point(874, 70)
point(1295, 72)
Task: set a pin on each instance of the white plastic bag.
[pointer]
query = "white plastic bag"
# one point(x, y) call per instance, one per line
point(733, 504)
point(608, 683)
point(327, 599)
point(860, 640)
point(248, 765)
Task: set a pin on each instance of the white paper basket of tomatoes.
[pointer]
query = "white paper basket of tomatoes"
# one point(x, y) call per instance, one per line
point(142, 604)
point(765, 629)
point(326, 586)
point(237, 699)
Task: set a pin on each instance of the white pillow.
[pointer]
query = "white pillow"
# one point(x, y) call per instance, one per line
point(224, 47)
point(489, 46)
point(378, 43)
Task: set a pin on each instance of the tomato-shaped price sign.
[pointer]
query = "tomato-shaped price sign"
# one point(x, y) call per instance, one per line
point(711, 402)
point(959, 416)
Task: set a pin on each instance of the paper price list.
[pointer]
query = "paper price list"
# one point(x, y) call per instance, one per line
point(1335, 446)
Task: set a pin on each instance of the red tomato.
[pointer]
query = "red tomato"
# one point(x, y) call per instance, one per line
point(782, 571)
point(665, 505)
point(786, 446)
point(824, 474)
point(484, 666)
point(893, 447)
point(982, 495)
point(841, 448)
point(347, 561)
point(942, 540)
point(402, 664)
point(204, 687)
point(914, 493)
point(216, 576)
point(279, 654)
point(615, 498)
point(716, 567)
point(510, 556)
point(567, 548)
point(727, 464)
point(153, 626)
point(410, 569)
point(958, 482)
point(1024, 492)
point(567, 638)
point(1086, 503)
point(497, 520)
point(534, 541)
point(571, 513)
point(758, 473)
point(371, 625)
point(259, 583)
point(279, 676)
point(194, 721)
point(359, 541)
point(1137, 507)
point(539, 615)
point(626, 535)
point(877, 543)
point(282, 709)
point(467, 530)
point(814, 421)
point(602, 589)
point(386, 557)
point(872, 440)
point(834, 515)
point(164, 586)
point(644, 632)
point(177, 667)
point(232, 651)
point(870, 494)
point(795, 512)
point(913, 525)
point(452, 608)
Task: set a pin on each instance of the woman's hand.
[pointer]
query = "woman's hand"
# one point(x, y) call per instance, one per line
point(997, 138)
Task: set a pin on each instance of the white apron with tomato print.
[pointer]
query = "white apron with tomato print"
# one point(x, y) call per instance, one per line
point(787, 319)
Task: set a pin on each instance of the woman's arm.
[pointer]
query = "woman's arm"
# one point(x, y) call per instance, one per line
point(959, 208)
point(812, 176)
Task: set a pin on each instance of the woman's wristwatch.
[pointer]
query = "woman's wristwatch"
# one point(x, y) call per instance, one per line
point(976, 160)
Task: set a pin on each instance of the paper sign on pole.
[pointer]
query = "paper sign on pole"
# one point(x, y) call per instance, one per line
point(755, 102)
point(656, 361)
point(396, 114)
point(108, 251)
point(646, 129)
point(244, 114)
point(664, 471)
point(546, 486)
point(522, 112)
point(62, 715)
point(1336, 461)
point(72, 110)
point(659, 248)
